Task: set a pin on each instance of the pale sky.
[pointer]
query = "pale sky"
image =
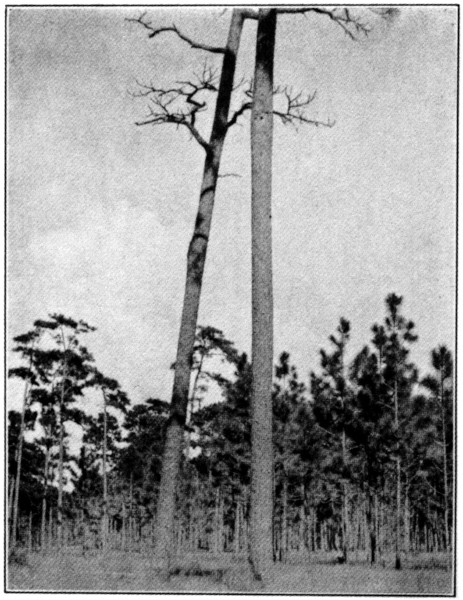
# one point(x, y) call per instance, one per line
point(100, 212)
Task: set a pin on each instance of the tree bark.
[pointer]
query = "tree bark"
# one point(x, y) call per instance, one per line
point(284, 521)
point(261, 551)
point(444, 444)
point(10, 499)
point(44, 498)
point(195, 269)
point(60, 475)
point(61, 446)
point(371, 522)
point(105, 481)
point(19, 455)
point(398, 527)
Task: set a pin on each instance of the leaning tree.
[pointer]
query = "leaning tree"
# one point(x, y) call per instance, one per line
point(181, 106)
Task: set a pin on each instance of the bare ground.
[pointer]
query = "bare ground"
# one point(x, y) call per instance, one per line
point(133, 572)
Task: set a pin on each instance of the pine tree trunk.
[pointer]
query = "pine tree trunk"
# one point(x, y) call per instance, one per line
point(370, 513)
point(302, 541)
point(124, 526)
point(44, 498)
point(314, 531)
point(284, 521)
point(29, 533)
point(14, 526)
point(398, 527)
point(195, 268)
point(216, 521)
point(60, 477)
point(236, 529)
point(105, 481)
point(406, 522)
point(378, 519)
point(61, 446)
point(444, 450)
point(261, 547)
point(50, 527)
point(11, 490)
point(345, 508)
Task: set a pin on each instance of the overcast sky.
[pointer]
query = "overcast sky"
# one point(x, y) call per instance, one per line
point(100, 212)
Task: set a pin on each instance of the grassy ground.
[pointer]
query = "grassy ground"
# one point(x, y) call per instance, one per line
point(124, 571)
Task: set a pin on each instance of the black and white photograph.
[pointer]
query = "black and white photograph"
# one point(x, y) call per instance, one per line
point(231, 299)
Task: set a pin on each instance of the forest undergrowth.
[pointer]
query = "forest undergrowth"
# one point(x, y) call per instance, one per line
point(202, 572)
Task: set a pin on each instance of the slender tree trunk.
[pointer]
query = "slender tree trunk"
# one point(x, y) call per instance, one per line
point(44, 498)
point(444, 444)
point(11, 489)
point(345, 508)
point(19, 454)
point(216, 522)
point(406, 519)
point(284, 521)
point(302, 542)
point(345, 500)
point(29, 533)
point(50, 527)
point(370, 514)
point(195, 268)
point(261, 550)
point(61, 446)
point(237, 527)
point(398, 526)
point(124, 526)
point(60, 476)
point(105, 480)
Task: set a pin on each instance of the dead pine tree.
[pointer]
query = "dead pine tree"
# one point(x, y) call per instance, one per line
point(164, 108)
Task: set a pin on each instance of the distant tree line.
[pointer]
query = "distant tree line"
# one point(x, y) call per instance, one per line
point(363, 456)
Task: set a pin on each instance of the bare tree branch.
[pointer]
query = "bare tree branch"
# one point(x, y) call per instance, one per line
point(153, 32)
point(162, 116)
point(296, 105)
point(181, 104)
point(295, 109)
point(237, 114)
point(350, 24)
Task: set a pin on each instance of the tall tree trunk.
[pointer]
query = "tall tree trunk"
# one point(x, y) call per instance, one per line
point(19, 454)
point(60, 475)
point(406, 527)
point(124, 526)
point(445, 474)
point(398, 527)
point(105, 480)
point(370, 514)
point(44, 498)
point(11, 489)
point(195, 268)
point(302, 542)
point(29, 533)
point(236, 529)
point(284, 521)
point(345, 500)
point(345, 507)
point(61, 445)
point(261, 551)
